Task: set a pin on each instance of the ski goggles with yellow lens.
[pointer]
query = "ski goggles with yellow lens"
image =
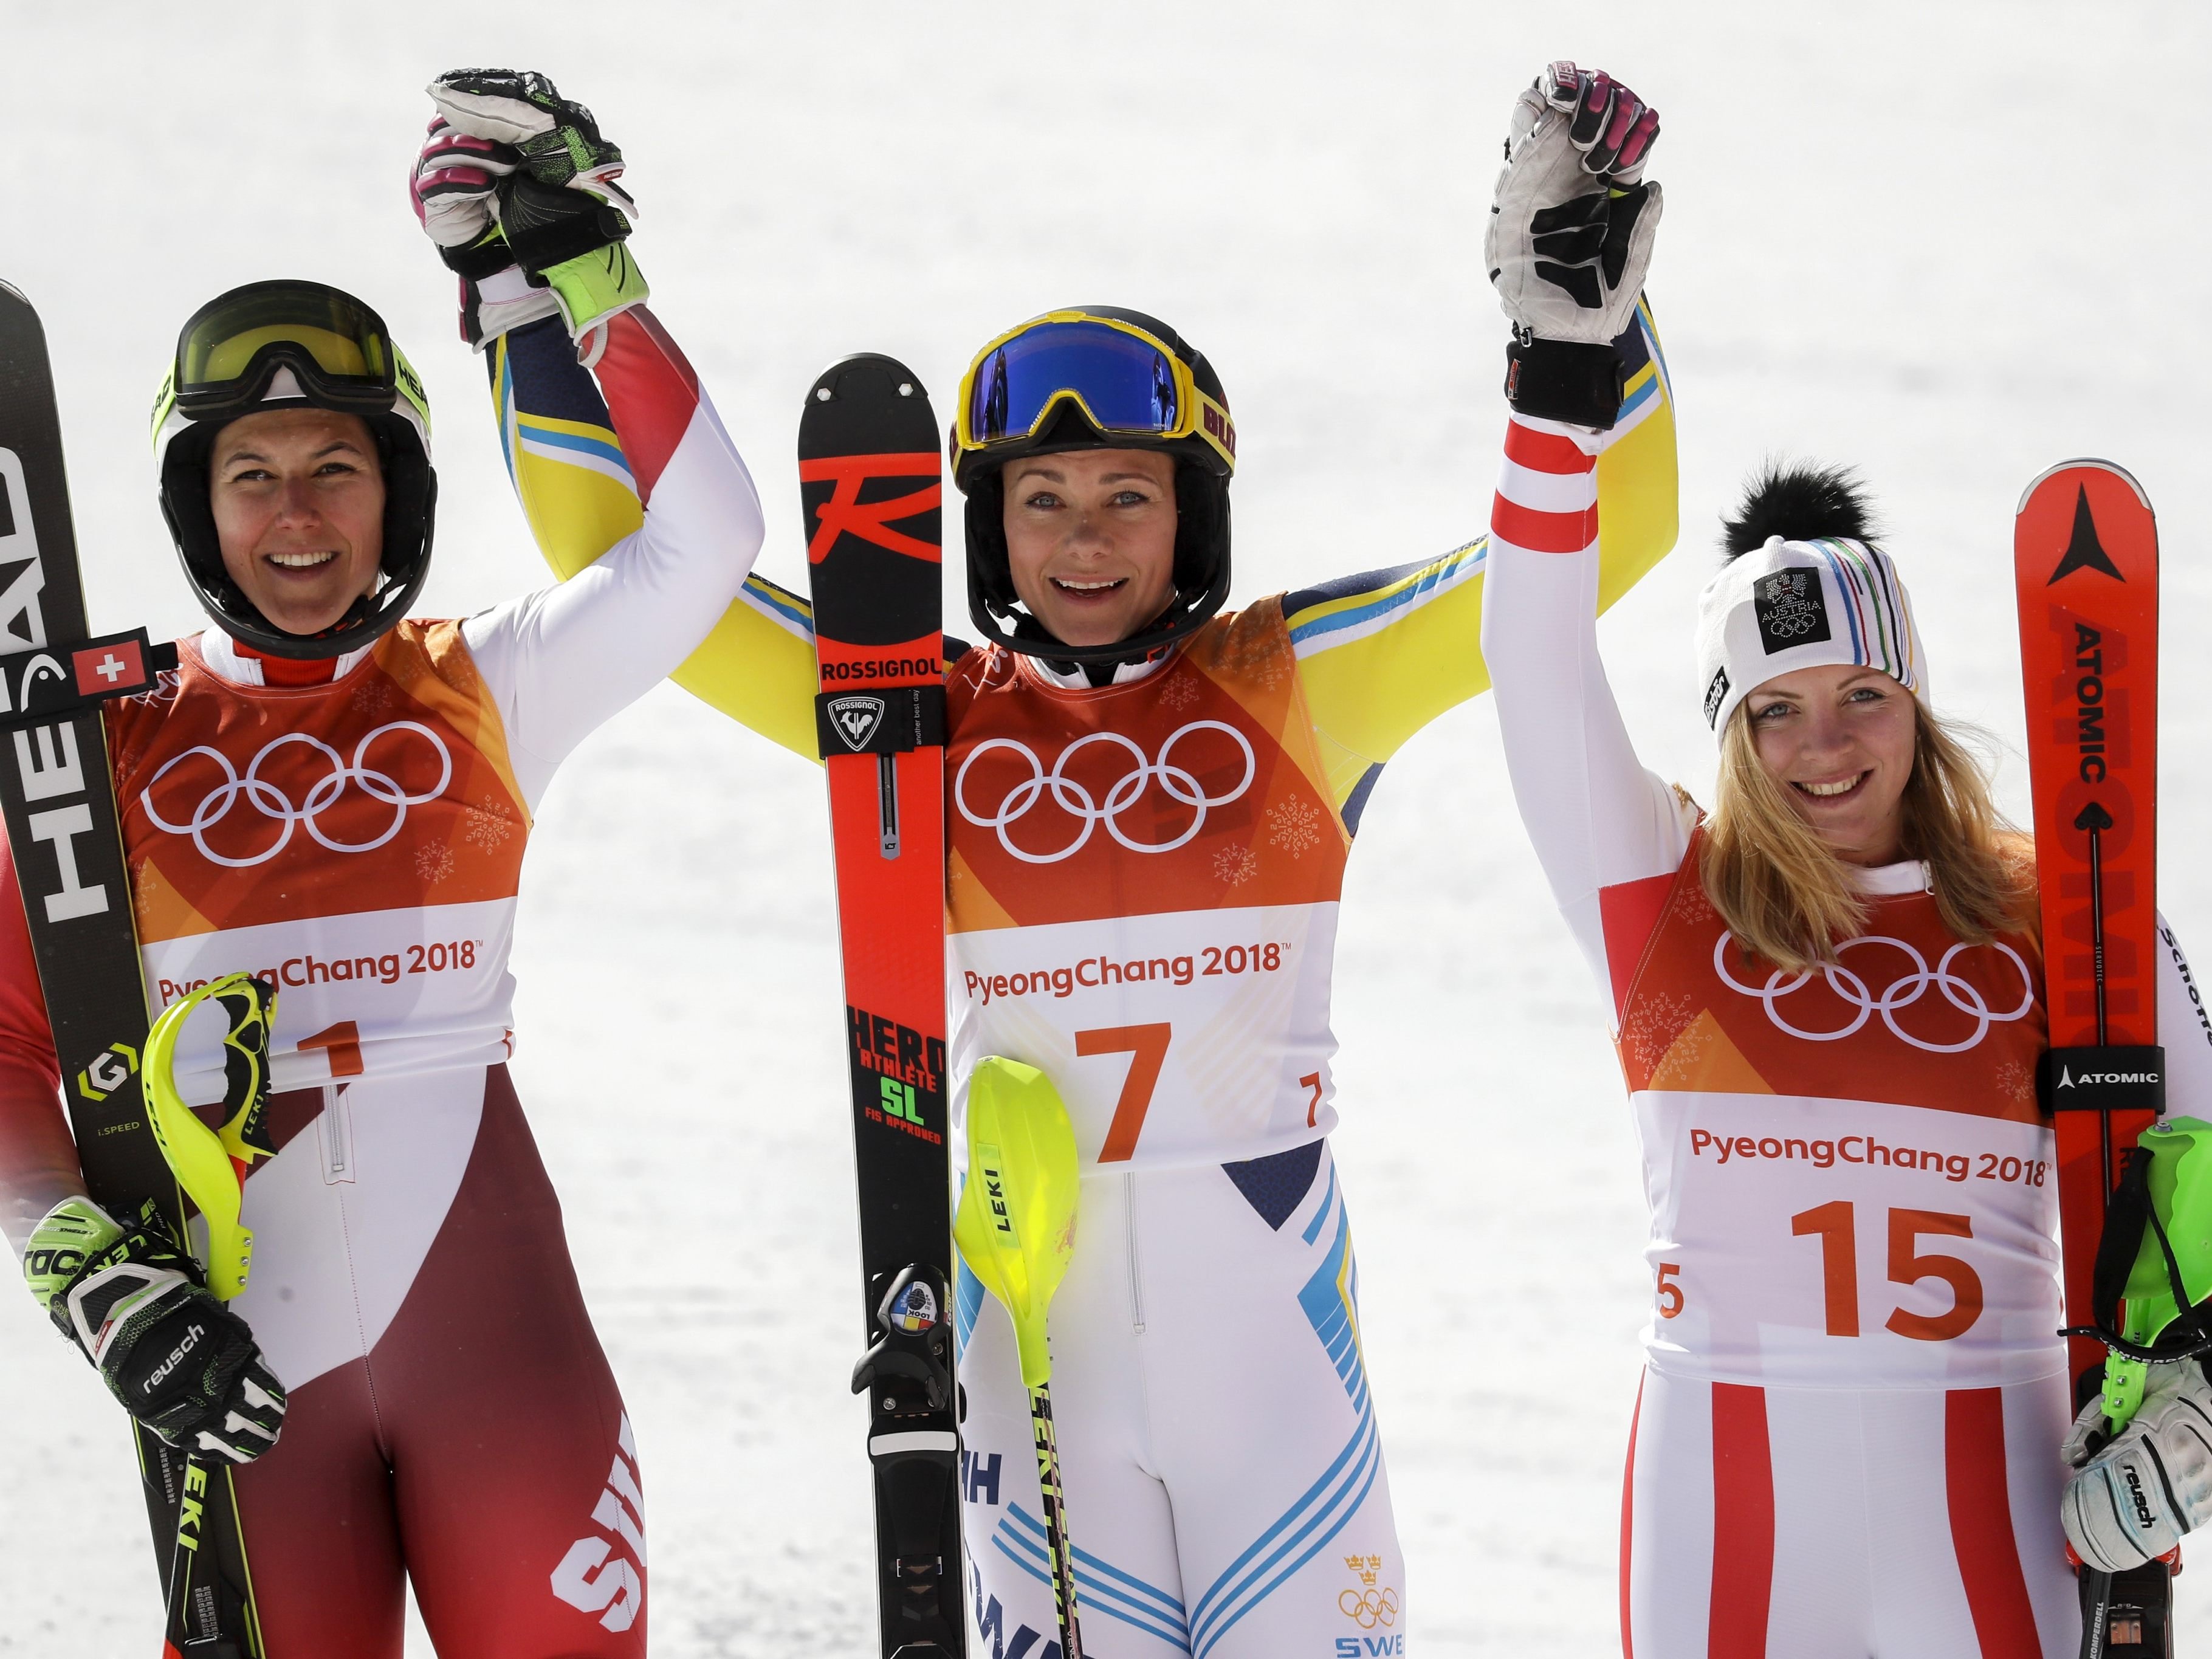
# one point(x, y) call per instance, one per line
point(1123, 381)
point(234, 345)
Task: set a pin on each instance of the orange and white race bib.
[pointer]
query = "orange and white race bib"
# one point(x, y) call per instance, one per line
point(1143, 885)
point(359, 843)
point(1849, 1179)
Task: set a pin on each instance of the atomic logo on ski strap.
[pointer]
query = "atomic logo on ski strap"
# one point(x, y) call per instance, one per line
point(2083, 550)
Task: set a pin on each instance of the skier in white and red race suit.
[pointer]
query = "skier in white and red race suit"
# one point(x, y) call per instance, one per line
point(1825, 996)
point(1151, 803)
point(335, 797)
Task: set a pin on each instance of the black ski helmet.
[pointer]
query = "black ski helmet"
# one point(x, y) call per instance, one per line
point(292, 341)
point(1202, 437)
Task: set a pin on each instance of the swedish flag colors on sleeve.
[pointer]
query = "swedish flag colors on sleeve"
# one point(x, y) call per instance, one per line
point(581, 495)
point(1380, 654)
point(1383, 654)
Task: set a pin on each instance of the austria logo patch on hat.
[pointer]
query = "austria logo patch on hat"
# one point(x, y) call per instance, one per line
point(1791, 608)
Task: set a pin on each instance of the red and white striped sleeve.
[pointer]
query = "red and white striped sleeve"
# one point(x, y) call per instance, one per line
point(1608, 833)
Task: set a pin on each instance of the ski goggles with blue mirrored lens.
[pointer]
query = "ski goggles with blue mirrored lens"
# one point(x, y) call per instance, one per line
point(1123, 379)
point(234, 345)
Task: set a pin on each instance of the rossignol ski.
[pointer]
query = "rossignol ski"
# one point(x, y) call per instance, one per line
point(58, 794)
point(869, 478)
point(2085, 559)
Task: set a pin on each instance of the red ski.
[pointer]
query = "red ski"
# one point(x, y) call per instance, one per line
point(2085, 559)
point(869, 471)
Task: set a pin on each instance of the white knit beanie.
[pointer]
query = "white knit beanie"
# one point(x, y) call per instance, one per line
point(1792, 605)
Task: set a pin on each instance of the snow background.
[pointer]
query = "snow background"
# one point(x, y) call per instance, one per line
point(1952, 244)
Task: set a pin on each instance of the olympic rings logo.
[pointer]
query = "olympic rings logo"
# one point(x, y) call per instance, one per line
point(1076, 800)
point(1962, 993)
point(1789, 611)
point(274, 804)
point(1368, 1610)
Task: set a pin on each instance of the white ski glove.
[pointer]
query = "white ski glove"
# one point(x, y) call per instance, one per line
point(2131, 1501)
point(1570, 226)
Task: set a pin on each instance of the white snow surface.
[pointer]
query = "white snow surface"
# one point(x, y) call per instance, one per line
point(1951, 244)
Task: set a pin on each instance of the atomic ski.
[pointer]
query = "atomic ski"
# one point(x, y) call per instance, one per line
point(2085, 559)
point(869, 473)
point(58, 794)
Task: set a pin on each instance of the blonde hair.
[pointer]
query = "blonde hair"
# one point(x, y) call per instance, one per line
point(1787, 897)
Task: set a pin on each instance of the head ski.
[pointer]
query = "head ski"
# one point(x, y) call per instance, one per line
point(58, 794)
point(869, 477)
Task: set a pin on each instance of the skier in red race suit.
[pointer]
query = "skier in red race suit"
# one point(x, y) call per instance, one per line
point(335, 797)
point(1151, 803)
point(1826, 996)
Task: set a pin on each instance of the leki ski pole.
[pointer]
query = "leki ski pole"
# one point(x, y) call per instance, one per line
point(1016, 1231)
point(210, 1166)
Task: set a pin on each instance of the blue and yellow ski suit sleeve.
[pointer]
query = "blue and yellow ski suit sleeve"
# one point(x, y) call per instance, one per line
point(1382, 654)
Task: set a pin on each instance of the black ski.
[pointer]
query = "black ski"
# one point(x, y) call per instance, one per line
point(58, 794)
point(869, 479)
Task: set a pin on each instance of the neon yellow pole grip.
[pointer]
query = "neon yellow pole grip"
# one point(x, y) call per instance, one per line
point(1016, 1224)
point(211, 1164)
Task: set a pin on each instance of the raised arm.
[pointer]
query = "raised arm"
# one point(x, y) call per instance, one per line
point(656, 530)
point(1609, 834)
point(570, 461)
point(562, 659)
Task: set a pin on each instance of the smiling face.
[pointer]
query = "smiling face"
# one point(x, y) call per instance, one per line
point(298, 498)
point(1840, 741)
point(1091, 536)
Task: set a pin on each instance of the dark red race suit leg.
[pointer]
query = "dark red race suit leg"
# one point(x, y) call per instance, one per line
point(320, 1533)
point(482, 1443)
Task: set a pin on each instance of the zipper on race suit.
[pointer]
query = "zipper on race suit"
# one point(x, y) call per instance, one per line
point(1136, 1276)
point(334, 1129)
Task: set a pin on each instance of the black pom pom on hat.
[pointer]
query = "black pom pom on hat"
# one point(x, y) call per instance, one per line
point(1799, 501)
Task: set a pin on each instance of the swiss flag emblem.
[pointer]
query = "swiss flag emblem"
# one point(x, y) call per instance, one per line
point(102, 669)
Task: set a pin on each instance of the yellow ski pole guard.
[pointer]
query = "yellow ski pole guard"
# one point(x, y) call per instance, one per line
point(211, 1164)
point(1016, 1224)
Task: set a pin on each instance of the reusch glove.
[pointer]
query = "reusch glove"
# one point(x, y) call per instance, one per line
point(1572, 226)
point(561, 216)
point(2131, 1500)
point(138, 1308)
